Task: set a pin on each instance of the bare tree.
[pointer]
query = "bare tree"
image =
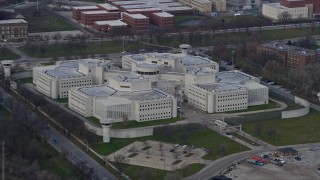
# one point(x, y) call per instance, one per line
point(120, 162)
point(284, 18)
point(125, 120)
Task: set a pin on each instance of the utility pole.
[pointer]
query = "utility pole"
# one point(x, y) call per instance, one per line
point(3, 161)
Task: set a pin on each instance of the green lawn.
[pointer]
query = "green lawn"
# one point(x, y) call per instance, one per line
point(95, 121)
point(200, 137)
point(26, 80)
point(270, 105)
point(63, 100)
point(179, 19)
point(52, 161)
point(139, 172)
point(299, 130)
point(64, 50)
point(7, 54)
point(135, 124)
point(43, 22)
point(245, 139)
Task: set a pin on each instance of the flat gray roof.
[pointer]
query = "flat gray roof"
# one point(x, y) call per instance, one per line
point(107, 6)
point(163, 14)
point(12, 21)
point(137, 57)
point(292, 49)
point(136, 16)
point(147, 65)
point(101, 90)
point(195, 60)
point(111, 23)
point(93, 62)
point(129, 78)
point(236, 77)
point(95, 12)
point(85, 7)
point(200, 70)
point(220, 87)
point(153, 94)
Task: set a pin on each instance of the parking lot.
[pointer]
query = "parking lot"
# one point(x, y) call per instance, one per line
point(306, 169)
point(160, 155)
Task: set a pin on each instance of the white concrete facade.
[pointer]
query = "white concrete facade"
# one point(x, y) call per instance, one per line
point(273, 11)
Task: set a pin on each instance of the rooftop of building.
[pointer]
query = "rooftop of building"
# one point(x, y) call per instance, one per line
point(142, 2)
point(93, 62)
point(145, 95)
point(195, 60)
point(167, 56)
point(220, 87)
point(147, 65)
point(64, 70)
point(107, 6)
point(288, 48)
point(163, 15)
point(95, 12)
point(254, 85)
point(200, 70)
point(236, 77)
point(129, 77)
point(137, 57)
point(136, 16)
point(111, 23)
point(85, 7)
point(12, 21)
point(100, 90)
point(143, 9)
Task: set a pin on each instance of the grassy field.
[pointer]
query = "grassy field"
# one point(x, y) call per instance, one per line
point(135, 124)
point(299, 130)
point(63, 100)
point(43, 22)
point(245, 139)
point(90, 48)
point(95, 121)
point(6, 54)
point(139, 172)
point(270, 105)
point(202, 137)
point(26, 80)
point(52, 161)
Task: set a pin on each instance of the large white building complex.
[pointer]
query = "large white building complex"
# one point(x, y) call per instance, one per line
point(148, 86)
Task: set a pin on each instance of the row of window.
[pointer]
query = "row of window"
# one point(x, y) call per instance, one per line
point(232, 108)
point(156, 114)
point(231, 105)
point(76, 85)
point(156, 104)
point(76, 82)
point(147, 73)
point(152, 108)
point(154, 118)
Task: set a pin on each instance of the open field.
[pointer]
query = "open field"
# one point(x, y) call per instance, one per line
point(6, 54)
point(44, 21)
point(65, 50)
point(135, 124)
point(217, 145)
point(299, 130)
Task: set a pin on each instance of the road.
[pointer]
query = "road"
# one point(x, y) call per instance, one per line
point(75, 154)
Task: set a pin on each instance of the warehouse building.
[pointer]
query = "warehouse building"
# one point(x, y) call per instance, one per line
point(108, 26)
point(89, 17)
point(136, 21)
point(13, 30)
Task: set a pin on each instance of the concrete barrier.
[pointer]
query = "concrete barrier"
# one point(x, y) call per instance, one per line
point(131, 133)
point(298, 112)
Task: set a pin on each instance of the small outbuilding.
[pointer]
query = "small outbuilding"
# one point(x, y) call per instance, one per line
point(287, 152)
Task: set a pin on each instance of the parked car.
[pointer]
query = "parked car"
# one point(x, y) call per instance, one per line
point(185, 152)
point(56, 141)
point(298, 158)
point(172, 150)
point(177, 145)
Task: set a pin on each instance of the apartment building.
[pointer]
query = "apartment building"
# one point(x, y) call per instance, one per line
point(13, 30)
point(163, 19)
point(136, 21)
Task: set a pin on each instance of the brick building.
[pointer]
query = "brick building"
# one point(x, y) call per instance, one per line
point(89, 17)
point(288, 56)
point(163, 19)
point(76, 11)
point(13, 30)
point(146, 12)
point(108, 7)
point(108, 26)
point(302, 3)
point(136, 21)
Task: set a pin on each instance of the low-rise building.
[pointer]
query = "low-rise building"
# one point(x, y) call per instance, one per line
point(107, 26)
point(274, 11)
point(136, 21)
point(219, 5)
point(108, 7)
point(89, 17)
point(14, 30)
point(163, 19)
point(288, 56)
point(203, 6)
point(76, 11)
